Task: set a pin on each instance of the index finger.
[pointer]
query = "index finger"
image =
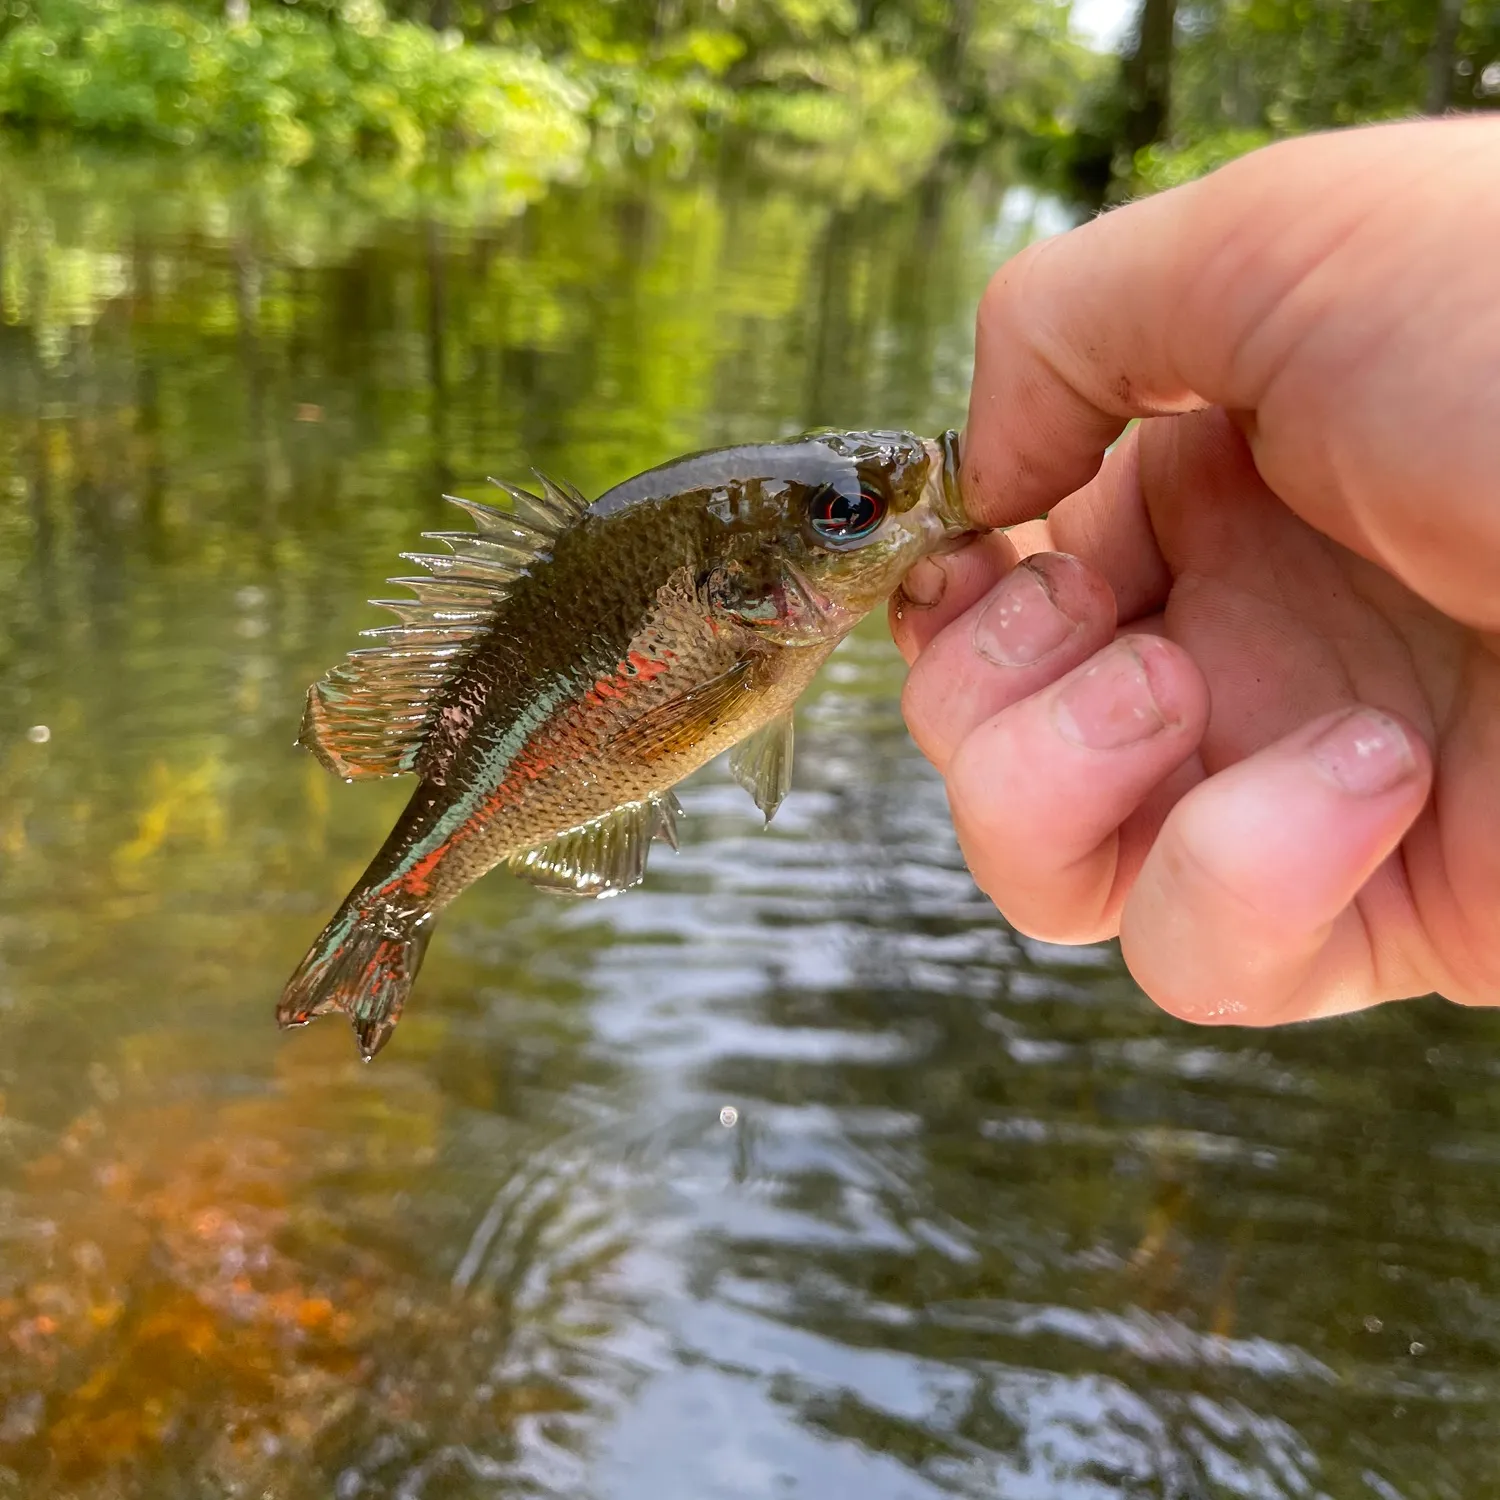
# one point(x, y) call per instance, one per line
point(1198, 296)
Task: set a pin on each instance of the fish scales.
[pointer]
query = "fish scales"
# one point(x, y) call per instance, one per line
point(537, 710)
point(621, 645)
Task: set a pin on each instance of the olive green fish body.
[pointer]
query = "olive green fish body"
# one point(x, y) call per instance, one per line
point(572, 663)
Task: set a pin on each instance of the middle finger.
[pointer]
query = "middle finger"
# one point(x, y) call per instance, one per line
point(1041, 620)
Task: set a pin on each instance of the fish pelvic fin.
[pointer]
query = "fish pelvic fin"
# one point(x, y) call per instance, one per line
point(762, 763)
point(362, 964)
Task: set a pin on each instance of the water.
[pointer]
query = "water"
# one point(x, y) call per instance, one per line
point(983, 1223)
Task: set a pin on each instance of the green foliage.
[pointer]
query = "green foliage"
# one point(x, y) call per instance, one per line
point(284, 87)
point(1245, 72)
point(1164, 166)
point(1026, 74)
point(848, 117)
point(847, 95)
point(1294, 65)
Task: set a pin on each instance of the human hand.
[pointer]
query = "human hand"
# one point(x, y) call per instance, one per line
point(1241, 704)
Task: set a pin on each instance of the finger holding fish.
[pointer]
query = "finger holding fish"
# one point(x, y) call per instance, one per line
point(1040, 620)
point(942, 585)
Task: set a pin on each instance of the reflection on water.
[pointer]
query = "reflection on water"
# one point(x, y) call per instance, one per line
point(984, 1222)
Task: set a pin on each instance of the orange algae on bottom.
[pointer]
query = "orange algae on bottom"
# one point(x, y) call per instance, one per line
point(171, 1308)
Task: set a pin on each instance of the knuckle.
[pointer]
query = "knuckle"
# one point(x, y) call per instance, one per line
point(1071, 907)
point(999, 303)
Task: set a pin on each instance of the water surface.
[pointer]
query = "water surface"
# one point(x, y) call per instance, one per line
point(985, 1223)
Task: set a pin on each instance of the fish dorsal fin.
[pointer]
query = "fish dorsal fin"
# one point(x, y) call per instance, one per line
point(369, 715)
point(603, 856)
point(558, 507)
point(762, 763)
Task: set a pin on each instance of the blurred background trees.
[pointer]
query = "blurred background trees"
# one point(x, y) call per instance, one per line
point(1204, 80)
point(329, 81)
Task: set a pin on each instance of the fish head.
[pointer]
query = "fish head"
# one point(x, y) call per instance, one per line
point(818, 532)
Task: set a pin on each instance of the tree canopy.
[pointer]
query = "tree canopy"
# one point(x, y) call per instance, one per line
point(887, 84)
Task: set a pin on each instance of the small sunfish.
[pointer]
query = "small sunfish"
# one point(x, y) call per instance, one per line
point(566, 664)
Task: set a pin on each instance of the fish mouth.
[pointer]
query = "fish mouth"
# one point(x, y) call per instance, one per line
point(806, 613)
point(943, 505)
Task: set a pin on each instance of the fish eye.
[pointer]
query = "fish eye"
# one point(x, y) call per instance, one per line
point(838, 517)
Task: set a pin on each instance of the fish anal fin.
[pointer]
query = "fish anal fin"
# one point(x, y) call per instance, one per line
point(762, 763)
point(604, 856)
point(668, 810)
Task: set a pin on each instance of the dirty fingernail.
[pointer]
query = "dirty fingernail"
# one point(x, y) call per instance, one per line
point(1365, 753)
point(1020, 624)
point(1110, 703)
point(925, 584)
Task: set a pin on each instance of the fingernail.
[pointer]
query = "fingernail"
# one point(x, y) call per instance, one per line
point(1109, 703)
point(925, 584)
point(1020, 623)
point(1365, 753)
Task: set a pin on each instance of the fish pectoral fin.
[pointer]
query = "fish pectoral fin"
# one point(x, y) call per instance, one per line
point(762, 763)
point(603, 856)
point(690, 717)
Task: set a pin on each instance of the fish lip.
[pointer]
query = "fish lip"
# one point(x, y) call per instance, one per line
point(951, 541)
point(944, 523)
point(946, 504)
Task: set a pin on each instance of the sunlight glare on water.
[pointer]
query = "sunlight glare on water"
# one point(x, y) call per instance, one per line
point(978, 1221)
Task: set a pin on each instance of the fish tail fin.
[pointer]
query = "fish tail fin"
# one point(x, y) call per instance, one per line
point(363, 964)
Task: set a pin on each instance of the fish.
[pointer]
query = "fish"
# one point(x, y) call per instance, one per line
point(561, 667)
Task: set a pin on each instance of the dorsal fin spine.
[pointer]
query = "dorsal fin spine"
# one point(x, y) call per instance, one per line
point(466, 569)
point(369, 714)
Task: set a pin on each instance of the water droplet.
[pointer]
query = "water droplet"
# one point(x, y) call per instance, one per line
point(729, 1117)
point(39, 734)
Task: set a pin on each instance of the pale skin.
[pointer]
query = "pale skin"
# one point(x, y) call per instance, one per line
point(1237, 698)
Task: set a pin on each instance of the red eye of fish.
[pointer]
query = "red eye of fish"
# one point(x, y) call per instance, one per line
point(837, 517)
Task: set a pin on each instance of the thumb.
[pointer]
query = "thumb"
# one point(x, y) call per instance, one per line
point(1333, 290)
point(1243, 911)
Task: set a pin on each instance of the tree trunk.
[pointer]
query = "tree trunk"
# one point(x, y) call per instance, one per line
point(666, 18)
point(1146, 76)
point(1440, 59)
point(955, 50)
